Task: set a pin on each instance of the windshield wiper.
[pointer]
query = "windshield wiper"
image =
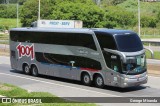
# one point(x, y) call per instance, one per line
point(128, 72)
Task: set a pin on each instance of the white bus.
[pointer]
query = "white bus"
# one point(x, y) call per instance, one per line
point(103, 56)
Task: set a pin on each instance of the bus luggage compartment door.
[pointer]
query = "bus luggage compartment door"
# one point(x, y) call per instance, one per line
point(14, 59)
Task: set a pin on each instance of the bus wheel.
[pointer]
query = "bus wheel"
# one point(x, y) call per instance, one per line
point(86, 79)
point(26, 69)
point(99, 82)
point(34, 70)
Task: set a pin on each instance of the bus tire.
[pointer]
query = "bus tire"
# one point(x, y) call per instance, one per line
point(86, 79)
point(26, 69)
point(99, 82)
point(34, 71)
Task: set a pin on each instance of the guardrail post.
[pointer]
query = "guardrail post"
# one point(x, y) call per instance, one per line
point(149, 45)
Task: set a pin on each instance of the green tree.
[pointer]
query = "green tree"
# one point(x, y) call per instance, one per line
point(8, 11)
point(21, 2)
point(111, 2)
point(29, 11)
point(84, 10)
point(148, 21)
point(89, 13)
point(118, 17)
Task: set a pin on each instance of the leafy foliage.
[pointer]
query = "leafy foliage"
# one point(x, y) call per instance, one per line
point(148, 21)
point(93, 13)
point(7, 11)
point(118, 17)
point(29, 11)
point(90, 14)
point(84, 10)
point(9, 1)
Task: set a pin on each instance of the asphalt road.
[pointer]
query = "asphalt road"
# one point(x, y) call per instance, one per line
point(68, 88)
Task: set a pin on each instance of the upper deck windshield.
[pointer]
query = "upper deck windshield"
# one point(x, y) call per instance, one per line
point(128, 43)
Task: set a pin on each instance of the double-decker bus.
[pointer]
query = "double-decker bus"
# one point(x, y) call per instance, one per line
point(102, 56)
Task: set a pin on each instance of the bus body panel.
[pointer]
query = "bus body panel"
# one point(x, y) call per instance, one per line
point(66, 61)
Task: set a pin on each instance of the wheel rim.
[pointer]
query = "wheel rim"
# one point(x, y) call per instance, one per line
point(26, 69)
point(86, 79)
point(99, 81)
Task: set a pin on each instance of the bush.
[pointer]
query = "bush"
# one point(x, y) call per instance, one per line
point(148, 21)
point(118, 17)
point(8, 11)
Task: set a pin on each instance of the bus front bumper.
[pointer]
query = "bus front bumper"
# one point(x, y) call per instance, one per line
point(135, 80)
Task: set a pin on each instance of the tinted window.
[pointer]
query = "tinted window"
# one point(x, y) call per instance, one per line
point(113, 61)
point(105, 40)
point(81, 62)
point(72, 39)
point(129, 43)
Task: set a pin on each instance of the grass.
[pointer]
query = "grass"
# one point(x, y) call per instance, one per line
point(4, 36)
point(13, 91)
point(149, 36)
point(156, 55)
point(9, 22)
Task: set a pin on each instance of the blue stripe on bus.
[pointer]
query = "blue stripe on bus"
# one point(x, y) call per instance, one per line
point(59, 65)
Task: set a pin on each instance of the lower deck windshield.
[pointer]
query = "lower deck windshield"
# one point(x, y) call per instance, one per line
point(134, 66)
point(137, 65)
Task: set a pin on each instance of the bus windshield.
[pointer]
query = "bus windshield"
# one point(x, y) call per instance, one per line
point(128, 43)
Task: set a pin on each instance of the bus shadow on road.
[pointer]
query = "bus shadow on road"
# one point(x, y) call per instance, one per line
point(110, 88)
point(124, 90)
point(49, 78)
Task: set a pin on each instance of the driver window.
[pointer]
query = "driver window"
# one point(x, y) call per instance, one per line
point(112, 61)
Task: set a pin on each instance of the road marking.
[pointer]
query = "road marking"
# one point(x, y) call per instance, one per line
point(153, 77)
point(4, 63)
point(59, 84)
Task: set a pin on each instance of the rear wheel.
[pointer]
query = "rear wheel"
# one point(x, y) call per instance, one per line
point(34, 70)
point(86, 79)
point(99, 82)
point(26, 69)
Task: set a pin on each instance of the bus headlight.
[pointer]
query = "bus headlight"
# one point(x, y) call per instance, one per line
point(126, 79)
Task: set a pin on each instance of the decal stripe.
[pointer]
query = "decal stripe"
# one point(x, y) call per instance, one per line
point(89, 69)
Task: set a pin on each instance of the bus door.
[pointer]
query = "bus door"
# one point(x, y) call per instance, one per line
point(113, 62)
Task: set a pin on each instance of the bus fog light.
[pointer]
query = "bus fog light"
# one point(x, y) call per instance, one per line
point(125, 84)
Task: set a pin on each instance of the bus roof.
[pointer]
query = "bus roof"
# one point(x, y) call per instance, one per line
point(114, 31)
point(84, 30)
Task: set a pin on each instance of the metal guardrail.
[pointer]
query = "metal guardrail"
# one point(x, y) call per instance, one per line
point(152, 53)
point(151, 41)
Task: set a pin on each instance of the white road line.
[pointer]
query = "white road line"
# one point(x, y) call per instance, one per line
point(59, 85)
point(154, 77)
point(4, 63)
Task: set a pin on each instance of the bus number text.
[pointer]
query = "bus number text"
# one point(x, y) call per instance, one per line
point(25, 51)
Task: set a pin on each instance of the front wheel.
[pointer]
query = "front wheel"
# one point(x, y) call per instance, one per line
point(99, 82)
point(34, 70)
